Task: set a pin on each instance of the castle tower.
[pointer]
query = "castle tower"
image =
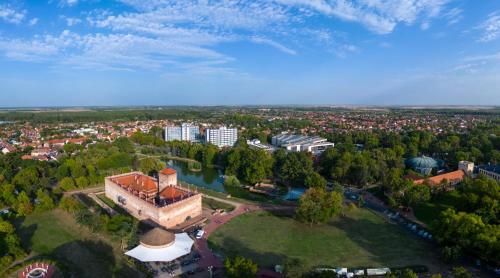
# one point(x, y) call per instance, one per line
point(168, 177)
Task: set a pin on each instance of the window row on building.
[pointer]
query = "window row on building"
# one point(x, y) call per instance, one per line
point(221, 137)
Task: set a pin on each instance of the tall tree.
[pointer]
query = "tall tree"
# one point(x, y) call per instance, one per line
point(149, 164)
point(317, 205)
point(240, 267)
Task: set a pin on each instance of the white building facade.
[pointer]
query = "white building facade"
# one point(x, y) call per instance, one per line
point(491, 171)
point(221, 137)
point(185, 132)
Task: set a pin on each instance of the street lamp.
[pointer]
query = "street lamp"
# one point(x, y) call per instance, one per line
point(210, 270)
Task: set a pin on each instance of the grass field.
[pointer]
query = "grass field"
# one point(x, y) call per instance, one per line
point(428, 212)
point(361, 239)
point(56, 234)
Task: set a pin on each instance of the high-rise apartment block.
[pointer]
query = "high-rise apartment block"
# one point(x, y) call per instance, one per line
point(222, 137)
point(185, 132)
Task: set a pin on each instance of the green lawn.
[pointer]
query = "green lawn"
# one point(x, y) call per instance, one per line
point(428, 212)
point(84, 254)
point(361, 239)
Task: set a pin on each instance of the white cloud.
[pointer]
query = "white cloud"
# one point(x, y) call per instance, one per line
point(71, 21)
point(161, 34)
point(478, 63)
point(274, 44)
point(11, 15)
point(380, 16)
point(385, 45)
point(108, 51)
point(68, 2)
point(489, 57)
point(453, 16)
point(425, 25)
point(490, 28)
point(36, 50)
point(219, 14)
point(33, 21)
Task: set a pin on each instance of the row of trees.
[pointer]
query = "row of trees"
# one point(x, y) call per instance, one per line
point(10, 245)
point(476, 145)
point(28, 186)
point(207, 154)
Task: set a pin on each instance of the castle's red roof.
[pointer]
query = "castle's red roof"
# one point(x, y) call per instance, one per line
point(137, 182)
point(173, 193)
point(168, 171)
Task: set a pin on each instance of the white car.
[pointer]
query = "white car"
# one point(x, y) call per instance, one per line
point(200, 234)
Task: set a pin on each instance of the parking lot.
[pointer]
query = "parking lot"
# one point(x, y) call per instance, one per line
point(183, 267)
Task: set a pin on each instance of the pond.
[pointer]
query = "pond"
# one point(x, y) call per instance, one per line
point(209, 178)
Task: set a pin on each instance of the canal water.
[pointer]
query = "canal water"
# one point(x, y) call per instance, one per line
point(209, 178)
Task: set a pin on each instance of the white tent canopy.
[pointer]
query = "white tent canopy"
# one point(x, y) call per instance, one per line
point(181, 246)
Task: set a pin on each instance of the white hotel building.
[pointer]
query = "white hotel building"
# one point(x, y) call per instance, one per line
point(221, 137)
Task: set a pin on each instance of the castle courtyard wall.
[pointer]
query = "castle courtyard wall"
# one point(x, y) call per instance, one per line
point(168, 216)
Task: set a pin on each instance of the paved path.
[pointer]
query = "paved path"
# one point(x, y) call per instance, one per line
point(102, 204)
point(371, 200)
point(95, 189)
point(222, 200)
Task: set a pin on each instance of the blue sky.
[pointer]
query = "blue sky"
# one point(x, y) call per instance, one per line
point(183, 52)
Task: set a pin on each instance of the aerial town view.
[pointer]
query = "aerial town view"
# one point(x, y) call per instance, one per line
point(250, 138)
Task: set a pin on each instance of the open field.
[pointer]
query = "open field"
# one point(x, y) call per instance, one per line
point(430, 211)
point(84, 254)
point(361, 239)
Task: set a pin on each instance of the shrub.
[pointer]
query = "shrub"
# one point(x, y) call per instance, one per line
point(451, 254)
point(231, 181)
point(240, 267)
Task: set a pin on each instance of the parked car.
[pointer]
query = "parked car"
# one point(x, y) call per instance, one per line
point(200, 234)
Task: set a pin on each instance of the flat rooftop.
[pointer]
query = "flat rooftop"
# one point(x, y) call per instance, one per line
point(491, 168)
point(294, 139)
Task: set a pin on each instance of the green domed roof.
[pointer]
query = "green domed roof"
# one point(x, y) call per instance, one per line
point(422, 162)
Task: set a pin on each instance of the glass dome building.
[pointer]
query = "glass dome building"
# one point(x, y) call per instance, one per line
point(423, 164)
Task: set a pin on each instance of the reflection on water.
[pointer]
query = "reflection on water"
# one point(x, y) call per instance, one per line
point(208, 177)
